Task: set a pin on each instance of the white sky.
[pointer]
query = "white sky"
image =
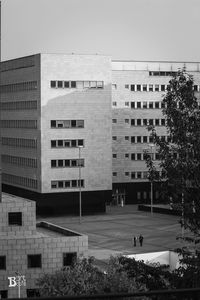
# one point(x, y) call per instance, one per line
point(123, 29)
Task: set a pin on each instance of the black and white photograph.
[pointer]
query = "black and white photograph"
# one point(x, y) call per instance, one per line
point(100, 149)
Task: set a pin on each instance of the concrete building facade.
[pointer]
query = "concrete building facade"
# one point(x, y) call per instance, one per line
point(56, 112)
point(31, 250)
point(72, 122)
point(137, 92)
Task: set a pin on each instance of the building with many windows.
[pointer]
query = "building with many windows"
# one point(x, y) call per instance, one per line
point(29, 249)
point(56, 130)
point(78, 123)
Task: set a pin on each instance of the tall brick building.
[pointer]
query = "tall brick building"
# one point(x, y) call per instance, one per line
point(32, 250)
point(71, 117)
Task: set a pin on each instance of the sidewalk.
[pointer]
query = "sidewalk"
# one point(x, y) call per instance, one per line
point(112, 233)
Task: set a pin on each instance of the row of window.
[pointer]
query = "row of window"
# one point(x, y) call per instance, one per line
point(19, 180)
point(76, 84)
point(67, 163)
point(19, 63)
point(35, 260)
point(67, 143)
point(20, 161)
point(67, 123)
point(66, 184)
point(18, 87)
point(138, 156)
point(135, 175)
point(145, 139)
point(162, 73)
point(143, 104)
point(153, 87)
point(26, 124)
point(19, 142)
point(18, 105)
point(143, 122)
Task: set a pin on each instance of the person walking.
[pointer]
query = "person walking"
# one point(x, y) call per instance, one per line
point(141, 240)
point(134, 241)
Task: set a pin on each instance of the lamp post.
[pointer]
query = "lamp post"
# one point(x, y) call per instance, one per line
point(80, 196)
point(151, 146)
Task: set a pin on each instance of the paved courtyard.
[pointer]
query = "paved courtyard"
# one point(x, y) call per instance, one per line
point(112, 233)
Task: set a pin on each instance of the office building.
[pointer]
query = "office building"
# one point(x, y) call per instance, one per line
point(76, 124)
point(56, 130)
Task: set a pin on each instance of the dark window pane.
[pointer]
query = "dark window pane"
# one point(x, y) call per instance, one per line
point(73, 84)
point(53, 83)
point(15, 218)
point(66, 84)
point(53, 144)
point(35, 261)
point(53, 123)
point(69, 258)
point(60, 84)
point(2, 262)
point(53, 163)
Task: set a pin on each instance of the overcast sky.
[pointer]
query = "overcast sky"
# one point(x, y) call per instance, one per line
point(123, 29)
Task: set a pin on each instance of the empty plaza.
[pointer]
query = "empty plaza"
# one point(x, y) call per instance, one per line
point(112, 233)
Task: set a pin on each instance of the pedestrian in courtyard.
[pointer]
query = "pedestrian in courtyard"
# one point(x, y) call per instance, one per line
point(141, 240)
point(134, 241)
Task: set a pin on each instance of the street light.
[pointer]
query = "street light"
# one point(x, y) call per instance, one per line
point(151, 180)
point(80, 199)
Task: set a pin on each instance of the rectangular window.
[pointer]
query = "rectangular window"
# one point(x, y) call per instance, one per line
point(150, 121)
point(132, 104)
point(145, 104)
point(3, 262)
point(162, 88)
point(66, 84)
point(144, 122)
point(126, 173)
point(144, 87)
point(139, 156)
point(126, 103)
point(196, 88)
point(127, 121)
point(100, 84)
point(138, 87)
point(114, 121)
point(133, 139)
point(53, 163)
point(132, 122)
point(162, 122)
point(133, 175)
point(157, 122)
point(114, 155)
point(69, 258)
point(53, 84)
point(60, 184)
point(73, 84)
point(133, 87)
point(139, 139)
point(34, 261)
point(126, 155)
point(114, 103)
point(157, 88)
point(138, 104)
point(162, 105)
point(144, 139)
point(126, 86)
point(127, 138)
point(150, 104)
point(15, 218)
point(53, 144)
point(60, 84)
point(138, 122)
point(114, 174)
point(157, 104)
point(139, 175)
point(150, 87)
point(132, 156)
point(114, 138)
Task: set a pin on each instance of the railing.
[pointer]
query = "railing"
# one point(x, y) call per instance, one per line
point(181, 294)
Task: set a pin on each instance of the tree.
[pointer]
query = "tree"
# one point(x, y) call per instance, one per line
point(180, 156)
point(84, 278)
